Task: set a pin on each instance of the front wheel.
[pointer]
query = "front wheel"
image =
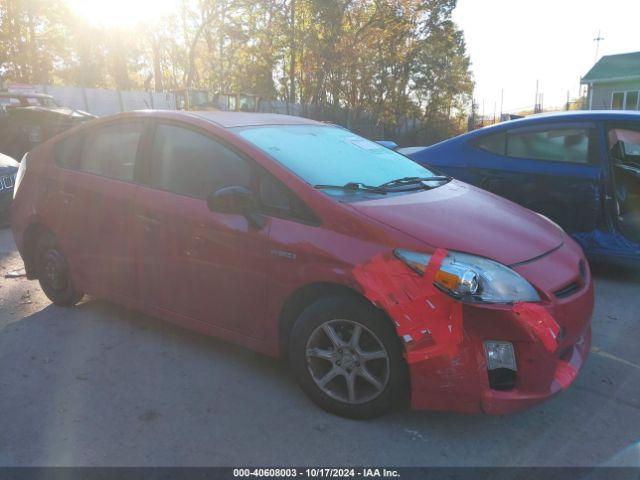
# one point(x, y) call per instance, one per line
point(54, 274)
point(347, 357)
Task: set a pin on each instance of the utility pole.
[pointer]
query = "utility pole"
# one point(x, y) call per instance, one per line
point(501, 102)
point(598, 39)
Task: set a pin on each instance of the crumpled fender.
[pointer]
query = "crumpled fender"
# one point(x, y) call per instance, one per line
point(428, 320)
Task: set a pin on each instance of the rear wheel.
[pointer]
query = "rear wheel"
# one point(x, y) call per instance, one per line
point(347, 357)
point(54, 274)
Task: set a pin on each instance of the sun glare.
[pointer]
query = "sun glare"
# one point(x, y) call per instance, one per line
point(121, 12)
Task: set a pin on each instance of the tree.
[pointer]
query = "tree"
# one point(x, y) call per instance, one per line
point(33, 39)
point(394, 68)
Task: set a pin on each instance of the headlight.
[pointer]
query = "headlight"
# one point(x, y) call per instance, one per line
point(474, 279)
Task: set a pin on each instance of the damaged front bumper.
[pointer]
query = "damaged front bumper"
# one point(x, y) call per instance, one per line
point(462, 384)
point(445, 338)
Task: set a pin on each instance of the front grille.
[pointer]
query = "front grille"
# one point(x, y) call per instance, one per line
point(583, 269)
point(575, 286)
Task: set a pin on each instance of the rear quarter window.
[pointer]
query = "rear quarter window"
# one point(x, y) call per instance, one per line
point(494, 143)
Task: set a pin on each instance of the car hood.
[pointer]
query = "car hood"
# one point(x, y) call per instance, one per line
point(459, 217)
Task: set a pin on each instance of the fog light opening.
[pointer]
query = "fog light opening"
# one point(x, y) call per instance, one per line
point(501, 364)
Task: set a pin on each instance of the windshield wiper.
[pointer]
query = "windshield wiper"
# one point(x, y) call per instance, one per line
point(354, 187)
point(400, 182)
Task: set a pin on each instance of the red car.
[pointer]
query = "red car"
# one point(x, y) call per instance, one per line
point(379, 279)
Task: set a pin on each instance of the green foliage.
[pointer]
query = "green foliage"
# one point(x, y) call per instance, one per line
point(33, 39)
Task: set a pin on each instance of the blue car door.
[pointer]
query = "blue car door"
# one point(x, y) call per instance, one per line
point(553, 169)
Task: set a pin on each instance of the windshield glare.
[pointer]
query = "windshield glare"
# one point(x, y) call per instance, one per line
point(326, 155)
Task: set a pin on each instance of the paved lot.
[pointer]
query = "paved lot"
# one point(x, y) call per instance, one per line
point(100, 385)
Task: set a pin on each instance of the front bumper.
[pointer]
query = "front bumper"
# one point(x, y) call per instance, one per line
point(461, 383)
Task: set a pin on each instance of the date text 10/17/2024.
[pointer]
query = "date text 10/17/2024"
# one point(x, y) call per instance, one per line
point(316, 472)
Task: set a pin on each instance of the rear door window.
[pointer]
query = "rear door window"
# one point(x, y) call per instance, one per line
point(193, 164)
point(111, 151)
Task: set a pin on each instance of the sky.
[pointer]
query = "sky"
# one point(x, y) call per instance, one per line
point(122, 12)
point(513, 43)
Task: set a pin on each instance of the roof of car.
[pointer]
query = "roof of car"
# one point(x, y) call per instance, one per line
point(25, 94)
point(246, 119)
point(538, 119)
point(564, 116)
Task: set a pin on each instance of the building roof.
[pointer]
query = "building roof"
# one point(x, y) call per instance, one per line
point(245, 119)
point(611, 68)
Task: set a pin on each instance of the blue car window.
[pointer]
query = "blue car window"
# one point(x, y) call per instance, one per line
point(495, 143)
point(557, 145)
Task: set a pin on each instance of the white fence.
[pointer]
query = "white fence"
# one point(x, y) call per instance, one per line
point(100, 101)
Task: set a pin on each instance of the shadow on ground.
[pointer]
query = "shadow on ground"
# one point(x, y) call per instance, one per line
point(101, 385)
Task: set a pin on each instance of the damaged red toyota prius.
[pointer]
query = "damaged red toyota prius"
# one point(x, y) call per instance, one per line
point(379, 279)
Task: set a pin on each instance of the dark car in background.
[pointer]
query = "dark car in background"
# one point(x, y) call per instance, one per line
point(9, 100)
point(579, 169)
point(27, 119)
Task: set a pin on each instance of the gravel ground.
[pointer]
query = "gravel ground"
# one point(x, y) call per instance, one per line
point(100, 385)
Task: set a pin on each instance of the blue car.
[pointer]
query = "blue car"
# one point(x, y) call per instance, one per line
point(580, 169)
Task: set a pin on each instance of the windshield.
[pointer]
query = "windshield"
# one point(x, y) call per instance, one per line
point(326, 155)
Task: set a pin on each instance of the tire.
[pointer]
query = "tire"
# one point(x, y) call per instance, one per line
point(361, 379)
point(54, 274)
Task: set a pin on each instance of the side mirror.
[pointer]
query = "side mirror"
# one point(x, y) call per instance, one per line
point(237, 200)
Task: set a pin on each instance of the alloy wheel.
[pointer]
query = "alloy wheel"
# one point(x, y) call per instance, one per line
point(347, 361)
point(55, 270)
